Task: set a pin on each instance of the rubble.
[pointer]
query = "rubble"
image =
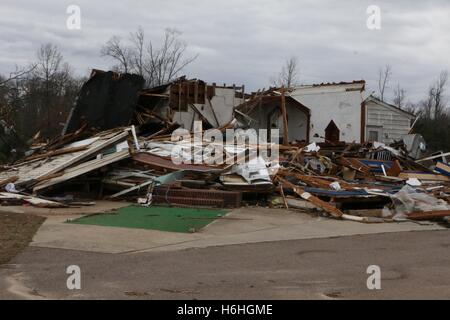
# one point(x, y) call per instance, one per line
point(143, 161)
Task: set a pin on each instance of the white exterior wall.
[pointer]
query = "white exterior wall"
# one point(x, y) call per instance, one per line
point(333, 102)
point(223, 103)
point(392, 124)
point(297, 120)
point(297, 124)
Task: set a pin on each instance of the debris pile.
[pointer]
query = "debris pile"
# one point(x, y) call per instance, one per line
point(152, 159)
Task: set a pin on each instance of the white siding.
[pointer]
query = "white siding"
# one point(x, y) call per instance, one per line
point(394, 123)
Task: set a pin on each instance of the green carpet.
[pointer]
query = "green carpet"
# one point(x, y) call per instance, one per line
point(156, 218)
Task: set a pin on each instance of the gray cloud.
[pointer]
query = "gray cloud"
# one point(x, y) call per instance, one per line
point(247, 42)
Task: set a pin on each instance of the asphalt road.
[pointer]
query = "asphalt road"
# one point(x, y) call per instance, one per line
point(413, 265)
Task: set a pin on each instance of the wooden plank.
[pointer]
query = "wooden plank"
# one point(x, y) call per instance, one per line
point(121, 193)
point(355, 165)
point(8, 180)
point(395, 170)
point(56, 153)
point(423, 176)
point(329, 208)
point(83, 168)
point(434, 157)
point(34, 201)
point(285, 120)
point(429, 215)
point(87, 153)
point(284, 198)
point(443, 168)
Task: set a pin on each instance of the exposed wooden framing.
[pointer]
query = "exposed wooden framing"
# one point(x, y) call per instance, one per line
point(196, 92)
point(428, 215)
point(363, 122)
point(155, 95)
point(285, 120)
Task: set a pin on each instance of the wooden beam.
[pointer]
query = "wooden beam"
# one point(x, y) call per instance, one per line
point(285, 120)
point(329, 208)
point(428, 215)
point(8, 180)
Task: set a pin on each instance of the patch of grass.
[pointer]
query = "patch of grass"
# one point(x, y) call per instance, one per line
point(172, 219)
point(16, 231)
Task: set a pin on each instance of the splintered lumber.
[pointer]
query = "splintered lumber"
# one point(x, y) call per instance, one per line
point(285, 119)
point(355, 165)
point(82, 168)
point(56, 153)
point(426, 215)
point(8, 180)
point(443, 168)
point(34, 201)
point(423, 176)
point(395, 170)
point(434, 157)
point(332, 210)
point(284, 197)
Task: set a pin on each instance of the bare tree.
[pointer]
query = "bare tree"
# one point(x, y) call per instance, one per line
point(17, 74)
point(116, 50)
point(438, 96)
point(138, 52)
point(288, 76)
point(47, 86)
point(157, 64)
point(384, 76)
point(435, 103)
point(399, 96)
point(165, 63)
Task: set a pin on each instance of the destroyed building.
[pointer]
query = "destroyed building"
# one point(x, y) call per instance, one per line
point(118, 144)
point(184, 101)
point(330, 112)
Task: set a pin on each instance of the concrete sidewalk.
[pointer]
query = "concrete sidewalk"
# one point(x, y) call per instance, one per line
point(249, 225)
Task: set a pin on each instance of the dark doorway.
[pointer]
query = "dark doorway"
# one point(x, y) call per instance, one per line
point(332, 132)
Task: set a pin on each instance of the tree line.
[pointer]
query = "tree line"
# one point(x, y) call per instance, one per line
point(36, 99)
point(432, 111)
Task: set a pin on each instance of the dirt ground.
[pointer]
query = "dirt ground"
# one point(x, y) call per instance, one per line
point(16, 231)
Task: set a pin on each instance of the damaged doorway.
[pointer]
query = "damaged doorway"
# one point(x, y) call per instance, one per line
point(332, 132)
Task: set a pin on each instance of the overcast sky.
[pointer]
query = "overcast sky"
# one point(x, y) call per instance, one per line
point(246, 42)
